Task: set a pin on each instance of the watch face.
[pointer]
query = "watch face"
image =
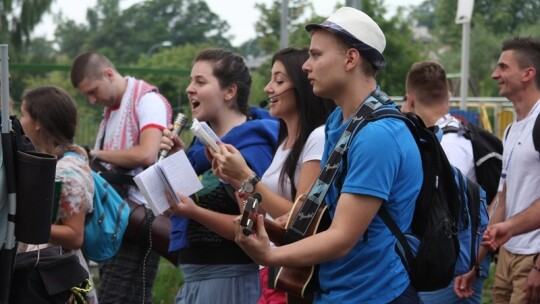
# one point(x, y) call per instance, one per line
point(248, 187)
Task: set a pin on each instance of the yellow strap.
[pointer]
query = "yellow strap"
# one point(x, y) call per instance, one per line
point(80, 292)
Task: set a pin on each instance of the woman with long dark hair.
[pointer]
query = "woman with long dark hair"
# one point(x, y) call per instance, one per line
point(296, 163)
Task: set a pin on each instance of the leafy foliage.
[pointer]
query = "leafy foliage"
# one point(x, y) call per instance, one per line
point(173, 86)
point(123, 36)
point(399, 40)
point(18, 18)
point(268, 26)
point(493, 21)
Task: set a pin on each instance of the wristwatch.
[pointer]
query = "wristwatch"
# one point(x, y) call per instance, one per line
point(248, 185)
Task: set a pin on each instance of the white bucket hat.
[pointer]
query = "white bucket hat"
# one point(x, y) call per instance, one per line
point(359, 31)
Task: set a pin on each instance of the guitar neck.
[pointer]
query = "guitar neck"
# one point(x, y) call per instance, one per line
point(275, 232)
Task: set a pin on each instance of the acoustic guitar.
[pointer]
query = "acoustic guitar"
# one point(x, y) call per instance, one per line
point(298, 282)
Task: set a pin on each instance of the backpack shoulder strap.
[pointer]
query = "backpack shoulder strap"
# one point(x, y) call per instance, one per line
point(508, 131)
point(317, 193)
point(450, 129)
point(536, 134)
point(463, 130)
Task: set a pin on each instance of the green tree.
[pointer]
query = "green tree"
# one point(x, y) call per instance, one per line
point(18, 18)
point(492, 22)
point(268, 26)
point(497, 16)
point(399, 40)
point(173, 86)
point(125, 35)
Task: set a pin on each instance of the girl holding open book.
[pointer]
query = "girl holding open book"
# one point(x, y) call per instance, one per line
point(296, 163)
point(215, 269)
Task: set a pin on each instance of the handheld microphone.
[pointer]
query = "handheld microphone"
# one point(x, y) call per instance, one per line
point(265, 102)
point(179, 124)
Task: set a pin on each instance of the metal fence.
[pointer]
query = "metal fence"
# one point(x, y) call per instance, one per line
point(492, 113)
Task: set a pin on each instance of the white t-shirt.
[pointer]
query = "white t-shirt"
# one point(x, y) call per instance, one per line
point(457, 148)
point(521, 171)
point(151, 112)
point(313, 150)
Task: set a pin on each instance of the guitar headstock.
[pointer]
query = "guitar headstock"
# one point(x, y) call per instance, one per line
point(249, 214)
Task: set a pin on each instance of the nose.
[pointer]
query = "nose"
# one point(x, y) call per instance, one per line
point(190, 89)
point(306, 67)
point(92, 99)
point(495, 73)
point(268, 89)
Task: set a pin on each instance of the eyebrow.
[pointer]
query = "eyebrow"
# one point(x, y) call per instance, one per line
point(91, 91)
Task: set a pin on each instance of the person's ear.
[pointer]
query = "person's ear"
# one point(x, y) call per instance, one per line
point(529, 74)
point(231, 91)
point(410, 100)
point(352, 59)
point(108, 74)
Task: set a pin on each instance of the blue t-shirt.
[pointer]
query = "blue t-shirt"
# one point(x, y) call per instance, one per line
point(383, 161)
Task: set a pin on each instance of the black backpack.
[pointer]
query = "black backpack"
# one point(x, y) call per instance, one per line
point(450, 213)
point(487, 153)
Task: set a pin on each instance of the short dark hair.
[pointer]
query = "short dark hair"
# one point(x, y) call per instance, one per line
point(367, 66)
point(55, 110)
point(230, 68)
point(89, 64)
point(427, 81)
point(527, 53)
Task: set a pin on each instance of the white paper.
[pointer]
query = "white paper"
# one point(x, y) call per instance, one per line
point(173, 174)
point(205, 134)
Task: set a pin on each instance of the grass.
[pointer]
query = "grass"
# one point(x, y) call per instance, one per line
point(488, 284)
point(168, 281)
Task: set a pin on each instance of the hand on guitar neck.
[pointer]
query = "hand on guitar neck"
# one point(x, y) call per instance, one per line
point(299, 282)
point(275, 230)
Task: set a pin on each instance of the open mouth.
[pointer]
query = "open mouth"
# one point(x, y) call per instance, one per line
point(195, 104)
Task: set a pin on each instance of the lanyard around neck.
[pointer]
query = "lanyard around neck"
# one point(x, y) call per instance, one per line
point(519, 134)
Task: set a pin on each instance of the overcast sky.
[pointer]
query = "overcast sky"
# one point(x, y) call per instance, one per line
point(240, 14)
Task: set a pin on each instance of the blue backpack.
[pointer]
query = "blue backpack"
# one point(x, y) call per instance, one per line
point(471, 223)
point(106, 225)
point(450, 213)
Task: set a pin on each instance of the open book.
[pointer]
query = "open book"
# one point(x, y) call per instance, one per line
point(172, 174)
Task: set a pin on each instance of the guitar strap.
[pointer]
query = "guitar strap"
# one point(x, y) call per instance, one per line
point(315, 197)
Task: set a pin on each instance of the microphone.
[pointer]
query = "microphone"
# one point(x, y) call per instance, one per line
point(263, 103)
point(179, 124)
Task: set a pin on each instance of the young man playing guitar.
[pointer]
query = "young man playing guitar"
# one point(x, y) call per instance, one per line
point(358, 262)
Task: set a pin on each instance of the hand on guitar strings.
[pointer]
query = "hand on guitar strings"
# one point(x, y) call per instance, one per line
point(257, 244)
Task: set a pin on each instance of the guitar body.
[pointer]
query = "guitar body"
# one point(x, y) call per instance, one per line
point(302, 282)
point(298, 282)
